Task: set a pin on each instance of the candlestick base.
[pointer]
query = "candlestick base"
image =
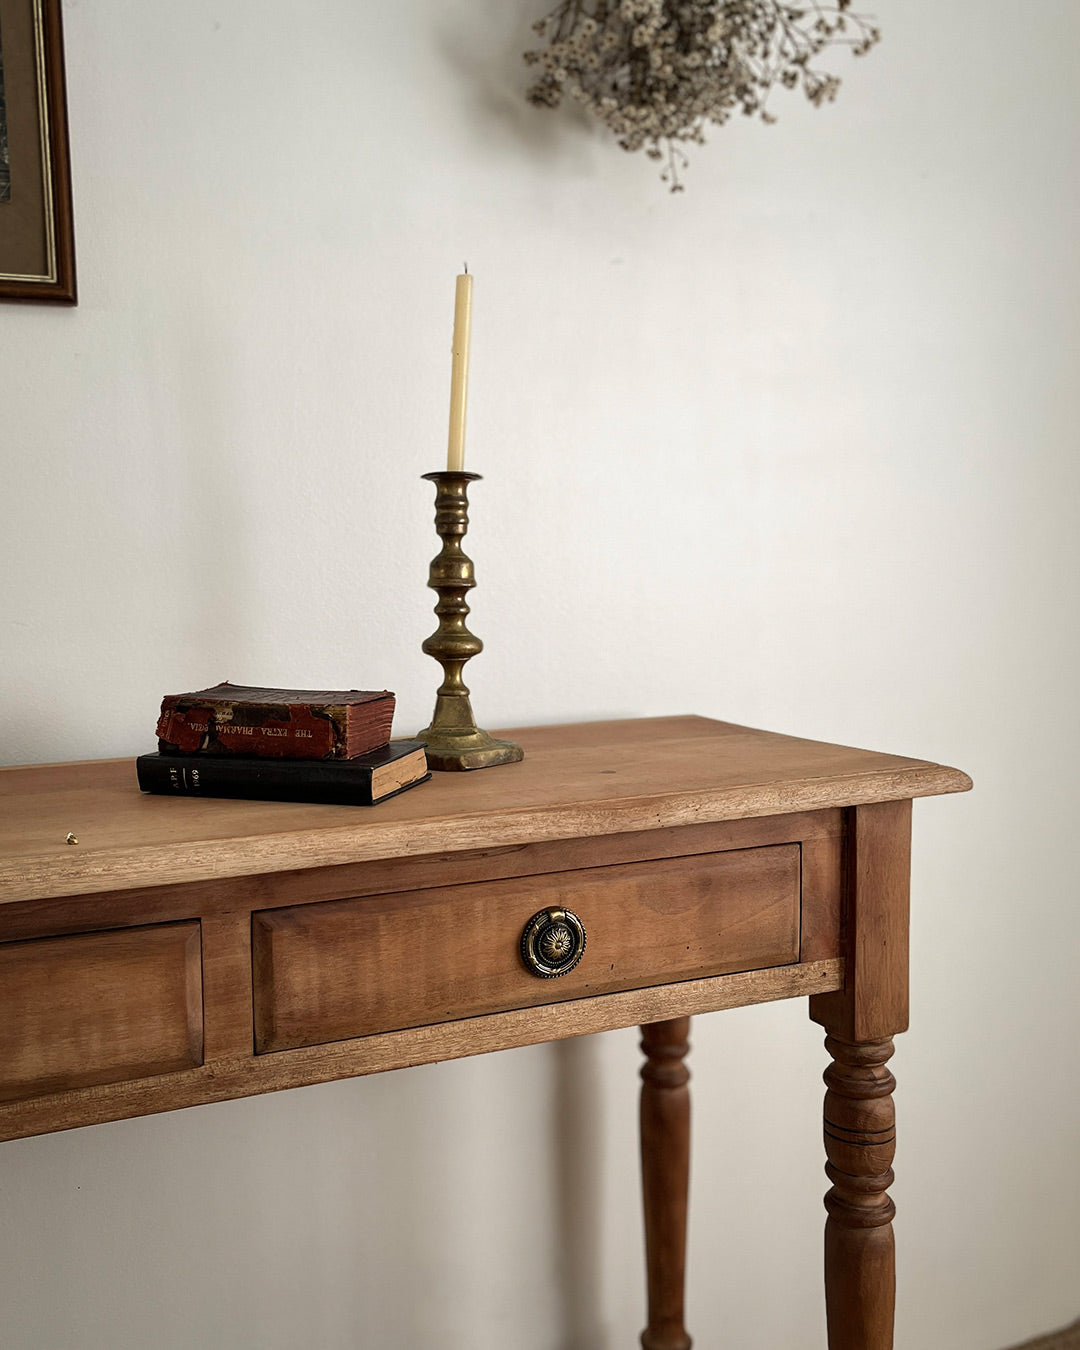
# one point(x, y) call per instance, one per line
point(453, 740)
point(472, 749)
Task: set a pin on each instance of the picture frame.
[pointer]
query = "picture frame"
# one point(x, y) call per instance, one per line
point(37, 238)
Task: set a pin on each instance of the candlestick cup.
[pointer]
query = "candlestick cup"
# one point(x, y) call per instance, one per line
point(453, 739)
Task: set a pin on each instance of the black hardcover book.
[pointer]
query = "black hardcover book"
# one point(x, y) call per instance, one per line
point(362, 781)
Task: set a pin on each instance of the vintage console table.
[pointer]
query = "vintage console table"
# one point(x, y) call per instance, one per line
point(187, 950)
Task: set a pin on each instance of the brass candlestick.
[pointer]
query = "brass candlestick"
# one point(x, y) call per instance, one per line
point(453, 739)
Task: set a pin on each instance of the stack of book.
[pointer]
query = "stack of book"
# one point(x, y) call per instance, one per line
point(292, 745)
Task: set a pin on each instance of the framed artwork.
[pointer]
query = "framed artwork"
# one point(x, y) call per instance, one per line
point(37, 240)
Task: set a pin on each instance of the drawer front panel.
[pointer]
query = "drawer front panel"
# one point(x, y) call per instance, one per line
point(99, 1007)
point(345, 968)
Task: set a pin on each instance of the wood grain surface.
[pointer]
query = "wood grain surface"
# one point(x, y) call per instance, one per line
point(99, 1007)
point(859, 1117)
point(246, 1076)
point(325, 972)
point(860, 1248)
point(874, 1002)
point(227, 895)
point(189, 950)
point(576, 781)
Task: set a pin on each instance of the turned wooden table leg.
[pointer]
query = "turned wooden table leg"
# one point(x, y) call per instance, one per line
point(860, 1140)
point(665, 1176)
point(860, 1125)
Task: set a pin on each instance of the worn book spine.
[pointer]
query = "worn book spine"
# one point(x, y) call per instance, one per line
point(332, 782)
point(282, 731)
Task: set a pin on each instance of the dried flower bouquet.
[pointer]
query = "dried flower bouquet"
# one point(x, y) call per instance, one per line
point(656, 71)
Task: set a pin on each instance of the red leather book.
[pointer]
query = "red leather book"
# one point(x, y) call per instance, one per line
point(236, 719)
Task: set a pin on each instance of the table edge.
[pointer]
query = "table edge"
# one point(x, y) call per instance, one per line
point(43, 876)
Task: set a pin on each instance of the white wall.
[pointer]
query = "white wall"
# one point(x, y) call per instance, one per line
point(794, 449)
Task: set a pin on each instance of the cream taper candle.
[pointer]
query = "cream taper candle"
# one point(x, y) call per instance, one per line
point(459, 372)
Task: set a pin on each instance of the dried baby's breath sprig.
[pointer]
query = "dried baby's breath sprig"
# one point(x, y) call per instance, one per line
point(657, 71)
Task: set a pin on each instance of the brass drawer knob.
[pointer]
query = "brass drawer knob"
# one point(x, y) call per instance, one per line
point(552, 943)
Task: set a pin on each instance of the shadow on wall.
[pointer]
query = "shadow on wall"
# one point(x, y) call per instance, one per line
point(488, 49)
point(576, 1109)
point(1066, 1339)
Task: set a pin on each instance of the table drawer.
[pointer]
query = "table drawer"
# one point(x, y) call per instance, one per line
point(99, 1007)
point(345, 968)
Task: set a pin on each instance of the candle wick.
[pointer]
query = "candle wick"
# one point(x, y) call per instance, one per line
point(466, 267)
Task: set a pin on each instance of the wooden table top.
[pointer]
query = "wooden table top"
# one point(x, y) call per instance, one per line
point(577, 780)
